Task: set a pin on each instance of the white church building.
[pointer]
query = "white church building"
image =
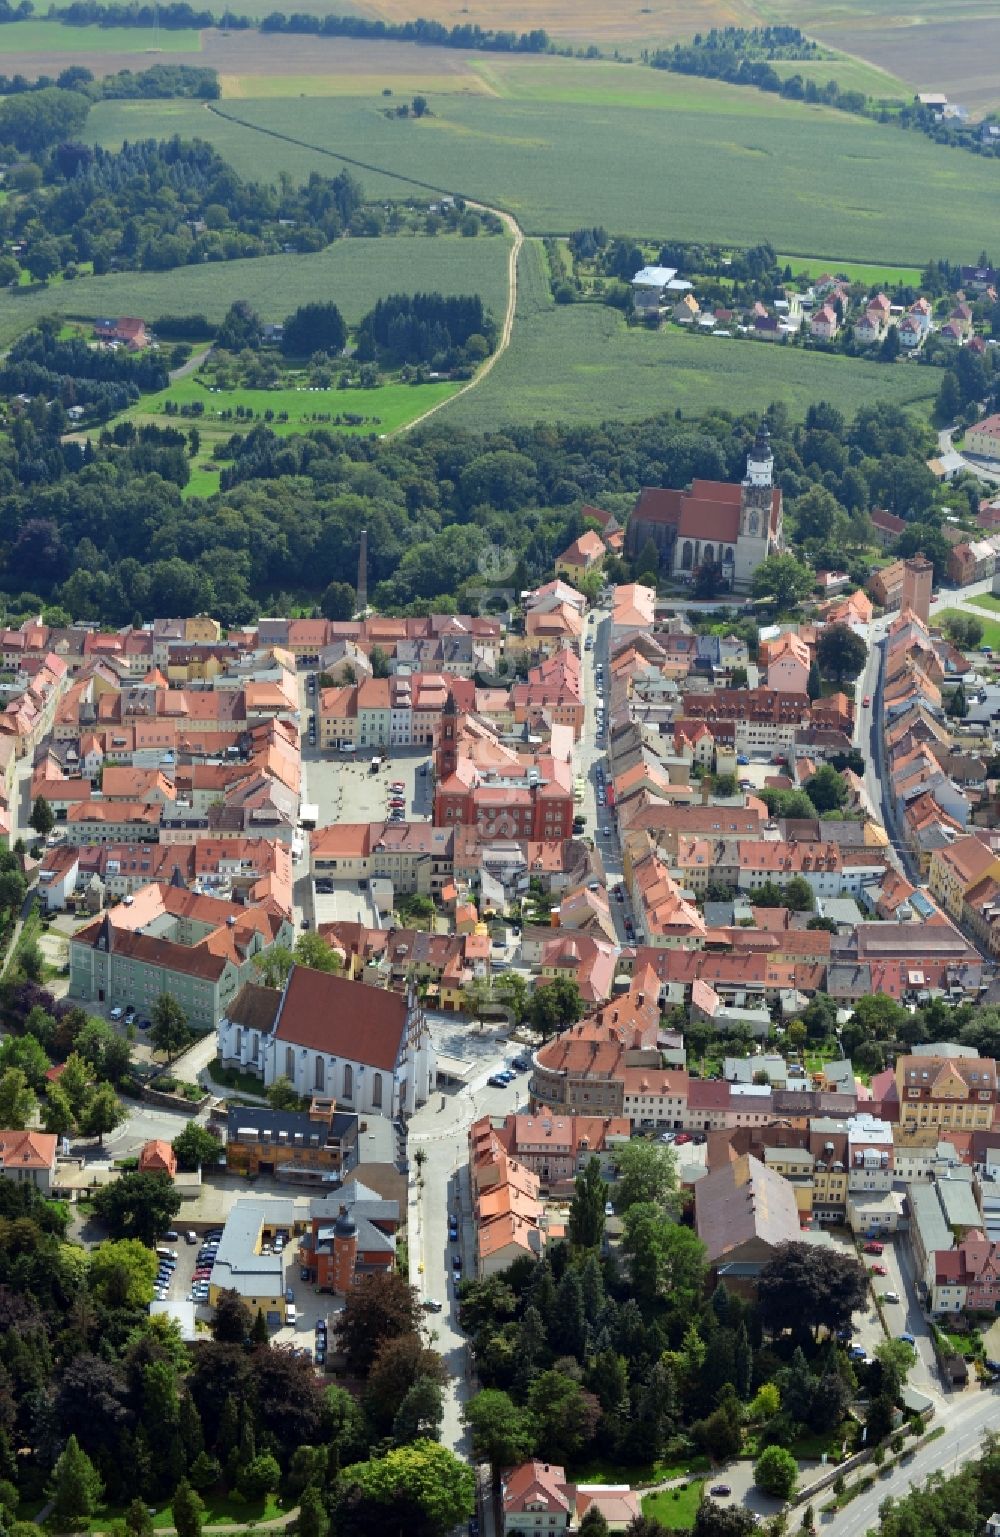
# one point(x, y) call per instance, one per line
point(368, 1047)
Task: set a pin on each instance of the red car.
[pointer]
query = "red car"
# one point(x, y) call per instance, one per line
point(682, 1137)
point(879, 1270)
point(874, 1248)
point(866, 701)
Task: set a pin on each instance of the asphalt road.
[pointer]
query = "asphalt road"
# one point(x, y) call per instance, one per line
point(439, 1130)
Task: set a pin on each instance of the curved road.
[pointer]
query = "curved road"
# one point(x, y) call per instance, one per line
point(505, 330)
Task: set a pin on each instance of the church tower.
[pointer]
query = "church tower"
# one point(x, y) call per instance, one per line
point(756, 496)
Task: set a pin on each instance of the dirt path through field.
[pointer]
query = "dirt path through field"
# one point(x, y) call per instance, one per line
point(505, 330)
point(512, 226)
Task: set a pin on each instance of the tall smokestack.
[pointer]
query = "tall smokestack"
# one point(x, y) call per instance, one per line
point(363, 574)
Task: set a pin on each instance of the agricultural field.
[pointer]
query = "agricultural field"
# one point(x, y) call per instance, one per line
point(582, 363)
point(737, 166)
point(49, 38)
point(353, 273)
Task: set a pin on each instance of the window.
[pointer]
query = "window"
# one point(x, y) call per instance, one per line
point(377, 1091)
point(290, 1063)
point(320, 1074)
point(348, 1081)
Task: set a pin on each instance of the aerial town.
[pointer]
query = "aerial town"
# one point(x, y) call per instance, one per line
point(499, 769)
point(446, 1002)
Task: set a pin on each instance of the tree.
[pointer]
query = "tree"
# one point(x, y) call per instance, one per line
point(313, 1520)
point(312, 950)
point(42, 818)
point(26, 1053)
point(594, 1523)
point(958, 704)
point(418, 106)
point(123, 1273)
point(400, 1361)
point(169, 1031)
point(814, 686)
point(138, 1205)
point(102, 1113)
point(382, 1307)
point(419, 1416)
point(667, 1259)
point(586, 1213)
point(274, 965)
point(316, 327)
point(260, 1476)
point(57, 1112)
point(502, 1432)
point(801, 1288)
point(259, 1333)
point(782, 579)
point(422, 1489)
point(840, 652)
point(196, 1145)
point(798, 895)
point(565, 1414)
point(554, 1005)
point(714, 1520)
point(17, 1100)
point(896, 1360)
point(75, 1487)
point(647, 1172)
point(827, 789)
point(339, 601)
point(138, 1521)
point(188, 1510)
point(283, 1095)
point(776, 1472)
point(232, 1323)
point(241, 328)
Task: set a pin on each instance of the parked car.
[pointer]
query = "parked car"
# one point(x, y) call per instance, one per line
point(879, 1270)
point(866, 702)
point(431, 1305)
point(871, 1247)
point(456, 1263)
point(682, 1137)
point(303, 1273)
point(909, 1340)
point(609, 1209)
point(890, 1296)
point(116, 1013)
point(720, 1491)
point(497, 1081)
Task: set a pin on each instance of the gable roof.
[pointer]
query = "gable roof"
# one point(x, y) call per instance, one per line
point(346, 1019)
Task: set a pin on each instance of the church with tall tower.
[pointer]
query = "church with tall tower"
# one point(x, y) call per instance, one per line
point(735, 526)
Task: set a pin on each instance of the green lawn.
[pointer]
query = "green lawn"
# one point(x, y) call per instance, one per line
point(851, 74)
point(857, 272)
point(600, 1471)
point(41, 36)
point(991, 627)
point(354, 273)
point(582, 363)
point(383, 409)
point(986, 600)
point(674, 1508)
point(732, 165)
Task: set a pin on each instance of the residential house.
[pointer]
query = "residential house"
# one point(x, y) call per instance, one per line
point(983, 438)
point(29, 1158)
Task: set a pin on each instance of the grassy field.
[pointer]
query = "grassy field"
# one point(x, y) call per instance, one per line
point(38, 36)
point(991, 627)
point(582, 363)
point(851, 74)
point(857, 272)
point(384, 409)
point(987, 601)
point(674, 1508)
point(734, 166)
point(354, 273)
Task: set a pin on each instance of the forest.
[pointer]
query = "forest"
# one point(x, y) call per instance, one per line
point(101, 532)
point(426, 328)
point(153, 205)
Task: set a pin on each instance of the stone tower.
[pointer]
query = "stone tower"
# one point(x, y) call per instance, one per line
point(756, 495)
point(918, 585)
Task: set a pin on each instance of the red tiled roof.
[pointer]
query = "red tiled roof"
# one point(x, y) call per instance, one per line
point(346, 1019)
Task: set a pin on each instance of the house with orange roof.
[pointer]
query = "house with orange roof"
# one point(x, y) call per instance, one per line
point(584, 555)
point(29, 1158)
point(157, 1157)
point(632, 612)
point(788, 662)
point(854, 610)
point(956, 868)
